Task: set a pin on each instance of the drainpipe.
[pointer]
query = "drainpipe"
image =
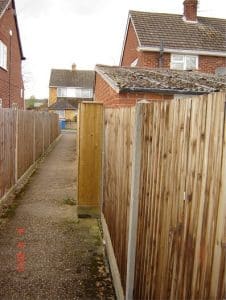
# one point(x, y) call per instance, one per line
point(161, 54)
point(10, 59)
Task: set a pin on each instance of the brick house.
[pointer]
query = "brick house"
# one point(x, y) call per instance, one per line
point(11, 56)
point(173, 41)
point(124, 86)
point(67, 88)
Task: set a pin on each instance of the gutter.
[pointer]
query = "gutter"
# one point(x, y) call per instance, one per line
point(164, 91)
point(179, 51)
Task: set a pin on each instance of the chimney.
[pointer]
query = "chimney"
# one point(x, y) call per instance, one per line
point(73, 67)
point(190, 10)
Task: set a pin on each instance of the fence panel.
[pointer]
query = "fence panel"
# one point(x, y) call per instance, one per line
point(90, 147)
point(179, 196)
point(25, 141)
point(46, 125)
point(117, 179)
point(24, 135)
point(181, 228)
point(7, 149)
point(39, 135)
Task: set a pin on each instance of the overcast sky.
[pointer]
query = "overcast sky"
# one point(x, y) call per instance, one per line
point(56, 33)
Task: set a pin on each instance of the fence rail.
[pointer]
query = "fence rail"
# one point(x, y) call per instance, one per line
point(24, 137)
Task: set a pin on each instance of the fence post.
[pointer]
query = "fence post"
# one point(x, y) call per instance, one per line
point(134, 202)
point(16, 144)
point(43, 133)
point(90, 145)
point(34, 138)
point(220, 241)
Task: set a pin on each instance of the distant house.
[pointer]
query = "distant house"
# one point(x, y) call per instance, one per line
point(181, 42)
point(67, 88)
point(125, 86)
point(11, 55)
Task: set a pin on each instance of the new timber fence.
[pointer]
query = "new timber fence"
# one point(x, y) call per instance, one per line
point(164, 198)
point(24, 137)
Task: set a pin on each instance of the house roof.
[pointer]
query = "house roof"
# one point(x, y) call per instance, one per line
point(65, 104)
point(4, 4)
point(128, 79)
point(152, 29)
point(69, 78)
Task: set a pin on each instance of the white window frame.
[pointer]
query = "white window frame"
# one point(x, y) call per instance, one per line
point(177, 59)
point(73, 92)
point(61, 91)
point(3, 55)
point(0, 102)
point(61, 113)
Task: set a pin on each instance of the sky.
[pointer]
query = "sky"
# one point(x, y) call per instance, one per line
point(57, 33)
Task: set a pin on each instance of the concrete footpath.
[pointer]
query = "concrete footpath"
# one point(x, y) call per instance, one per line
point(45, 252)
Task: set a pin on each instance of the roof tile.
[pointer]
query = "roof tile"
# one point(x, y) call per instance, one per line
point(209, 34)
point(69, 78)
point(126, 79)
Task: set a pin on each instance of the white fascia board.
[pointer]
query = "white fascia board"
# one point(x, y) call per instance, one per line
point(4, 10)
point(130, 20)
point(181, 51)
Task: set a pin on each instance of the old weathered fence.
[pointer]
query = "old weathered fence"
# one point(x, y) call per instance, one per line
point(164, 198)
point(24, 137)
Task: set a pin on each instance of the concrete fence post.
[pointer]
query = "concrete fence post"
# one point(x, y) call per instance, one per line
point(34, 137)
point(134, 202)
point(16, 143)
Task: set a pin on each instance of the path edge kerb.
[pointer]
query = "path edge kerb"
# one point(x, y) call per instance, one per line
point(21, 183)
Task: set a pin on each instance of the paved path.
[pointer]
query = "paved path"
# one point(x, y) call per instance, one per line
point(44, 252)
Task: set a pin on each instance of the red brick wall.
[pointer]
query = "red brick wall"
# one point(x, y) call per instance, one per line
point(190, 10)
point(107, 95)
point(130, 50)
point(207, 64)
point(11, 77)
point(151, 60)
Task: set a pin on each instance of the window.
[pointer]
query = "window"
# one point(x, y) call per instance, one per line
point(62, 92)
point(184, 62)
point(61, 113)
point(0, 103)
point(75, 92)
point(87, 93)
point(3, 55)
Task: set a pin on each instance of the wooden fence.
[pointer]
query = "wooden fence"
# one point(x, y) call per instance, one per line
point(89, 145)
point(24, 137)
point(165, 197)
point(117, 169)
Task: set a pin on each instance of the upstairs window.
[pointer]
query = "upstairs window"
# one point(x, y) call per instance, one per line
point(3, 55)
point(61, 113)
point(75, 92)
point(61, 92)
point(184, 62)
